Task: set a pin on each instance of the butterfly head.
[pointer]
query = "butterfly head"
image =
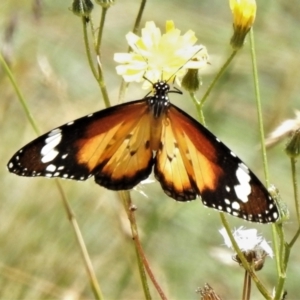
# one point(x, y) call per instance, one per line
point(159, 102)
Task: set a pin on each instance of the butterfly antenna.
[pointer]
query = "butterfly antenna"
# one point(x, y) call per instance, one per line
point(184, 64)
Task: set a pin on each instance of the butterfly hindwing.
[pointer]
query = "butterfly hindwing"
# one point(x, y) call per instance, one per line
point(222, 180)
point(170, 168)
point(93, 145)
point(128, 157)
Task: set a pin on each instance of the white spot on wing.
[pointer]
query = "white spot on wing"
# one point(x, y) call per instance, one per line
point(243, 189)
point(227, 201)
point(49, 156)
point(54, 132)
point(235, 205)
point(51, 142)
point(232, 154)
point(51, 168)
point(48, 152)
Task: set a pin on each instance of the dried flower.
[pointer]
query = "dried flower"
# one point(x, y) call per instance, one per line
point(82, 8)
point(105, 3)
point(283, 130)
point(208, 293)
point(254, 247)
point(157, 56)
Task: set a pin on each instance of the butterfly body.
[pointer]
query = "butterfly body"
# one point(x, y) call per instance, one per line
point(121, 145)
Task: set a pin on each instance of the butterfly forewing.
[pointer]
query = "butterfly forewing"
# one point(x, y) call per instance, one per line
point(92, 145)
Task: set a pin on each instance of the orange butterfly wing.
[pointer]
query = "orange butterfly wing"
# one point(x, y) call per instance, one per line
point(191, 161)
point(112, 145)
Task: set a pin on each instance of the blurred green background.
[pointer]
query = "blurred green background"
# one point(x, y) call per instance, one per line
point(39, 258)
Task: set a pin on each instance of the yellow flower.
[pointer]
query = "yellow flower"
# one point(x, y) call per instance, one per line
point(244, 12)
point(157, 56)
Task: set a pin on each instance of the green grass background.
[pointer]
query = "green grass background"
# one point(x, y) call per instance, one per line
point(39, 258)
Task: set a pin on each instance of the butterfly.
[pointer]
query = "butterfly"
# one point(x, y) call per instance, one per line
point(121, 145)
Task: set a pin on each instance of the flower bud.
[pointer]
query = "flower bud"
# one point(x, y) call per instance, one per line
point(244, 12)
point(292, 148)
point(82, 8)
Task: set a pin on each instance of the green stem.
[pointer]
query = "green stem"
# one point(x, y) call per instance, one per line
point(19, 94)
point(198, 108)
point(259, 109)
point(220, 73)
point(264, 155)
point(101, 27)
point(88, 49)
point(282, 276)
point(136, 27)
point(294, 239)
point(295, 188)
point(98, 74)
point(84, 253)
point(139, 17)
point(261, 129)
point(70, 214)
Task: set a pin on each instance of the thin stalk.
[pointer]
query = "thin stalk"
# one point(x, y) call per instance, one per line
point(282, 276)
point(295, 188)
point(98, 74)
point(247, 286)
point(139, 16)
point(280, 251)
point(198, 108)
point(71, 216)
point(220, 73)
point(88, 48)
point(125, 196)
point(149, 271)
point(261, 128)
point(84, 253)
point(19, 94)
point(136, 27)
point(101, 27)
point(294, 239)
point(259, 109)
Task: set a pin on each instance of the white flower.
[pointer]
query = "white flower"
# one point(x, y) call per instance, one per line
point(157, 56)
point(248, 240)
